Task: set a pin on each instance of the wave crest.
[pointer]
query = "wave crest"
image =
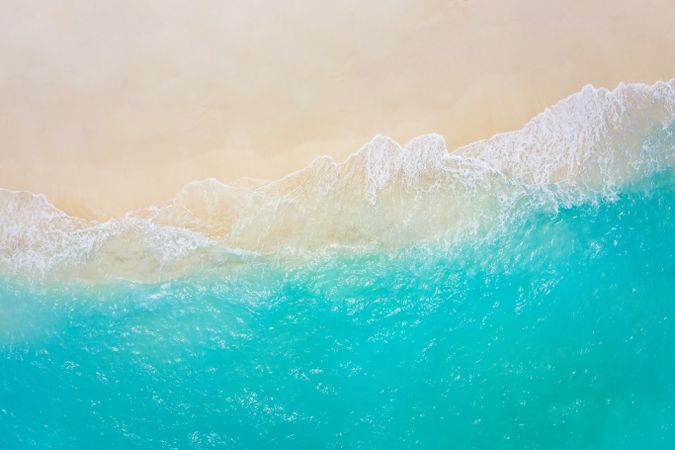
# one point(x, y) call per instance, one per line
point(386, 195)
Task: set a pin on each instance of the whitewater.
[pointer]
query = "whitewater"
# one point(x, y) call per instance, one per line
point(518, 292)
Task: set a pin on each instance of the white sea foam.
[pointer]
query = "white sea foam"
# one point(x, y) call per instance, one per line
point(384, 195)
point(37, 238)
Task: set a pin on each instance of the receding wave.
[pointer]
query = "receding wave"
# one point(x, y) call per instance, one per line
point(585, 148)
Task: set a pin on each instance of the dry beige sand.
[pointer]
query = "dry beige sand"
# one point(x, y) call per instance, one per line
point(108, 106)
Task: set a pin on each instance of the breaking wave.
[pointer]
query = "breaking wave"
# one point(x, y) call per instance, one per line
point(586, 148)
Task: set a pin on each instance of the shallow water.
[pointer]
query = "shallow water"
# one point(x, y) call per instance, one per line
point(516, 293)
point(556, 333)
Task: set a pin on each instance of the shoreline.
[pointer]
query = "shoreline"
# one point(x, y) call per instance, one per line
point(81, 210)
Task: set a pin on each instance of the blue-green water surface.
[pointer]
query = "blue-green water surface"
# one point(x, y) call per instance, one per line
point(559, 334)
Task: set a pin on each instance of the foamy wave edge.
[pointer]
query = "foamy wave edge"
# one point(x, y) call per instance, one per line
point(583, 148)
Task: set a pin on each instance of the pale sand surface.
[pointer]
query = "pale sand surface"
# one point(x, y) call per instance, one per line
point(109, 107)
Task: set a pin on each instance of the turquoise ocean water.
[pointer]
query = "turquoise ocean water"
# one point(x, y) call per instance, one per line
point(552, 327)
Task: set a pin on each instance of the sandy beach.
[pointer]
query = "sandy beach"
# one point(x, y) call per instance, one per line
point(106, 109)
